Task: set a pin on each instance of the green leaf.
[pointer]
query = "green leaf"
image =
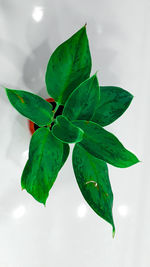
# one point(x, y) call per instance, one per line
point(66, 150)
point(113, 103)
point(82, 103)
point(43, 165)
point(104, 145)
point(69, 65)
point(31, 106)
point(65, 131)
point(93, 180)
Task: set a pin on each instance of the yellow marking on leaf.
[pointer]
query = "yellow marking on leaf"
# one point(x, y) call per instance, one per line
point(22, 100)
point(87, 122)
point(105, 195)
point(95, 184)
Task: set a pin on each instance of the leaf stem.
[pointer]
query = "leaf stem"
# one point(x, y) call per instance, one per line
point(57, 106)
point(55, 110)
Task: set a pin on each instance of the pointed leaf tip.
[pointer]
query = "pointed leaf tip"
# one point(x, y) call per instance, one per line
point(113, 232)
point(93, 180)
point(69, 65)
point(104, 145)
point(96, 73)
point(82, 103)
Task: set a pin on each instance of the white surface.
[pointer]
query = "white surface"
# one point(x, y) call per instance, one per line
point(67, 232)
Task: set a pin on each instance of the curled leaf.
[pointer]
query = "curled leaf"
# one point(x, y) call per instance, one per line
point(66, 131)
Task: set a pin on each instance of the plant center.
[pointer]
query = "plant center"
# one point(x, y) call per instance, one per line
point(58, 112)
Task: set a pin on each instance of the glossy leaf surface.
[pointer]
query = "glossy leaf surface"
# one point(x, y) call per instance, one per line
point(69, 65)
point(93, 180)
point(31, 106)
point(82, 102)
point(43, 165)
point(113, 103)
point(104, 145)
point(66, 131)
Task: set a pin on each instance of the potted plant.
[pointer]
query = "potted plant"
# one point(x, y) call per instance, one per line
point(79, 110)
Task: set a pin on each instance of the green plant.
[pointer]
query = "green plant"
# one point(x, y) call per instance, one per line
point(86, 109)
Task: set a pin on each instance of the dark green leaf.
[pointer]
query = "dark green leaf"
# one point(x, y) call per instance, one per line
point(69, 65)
point(113, 103)
point(104, 145)
point(31, 106)
point(66, 131)
point(82, 102)
point(93, 180)
point(66, 150)
point(43, 165)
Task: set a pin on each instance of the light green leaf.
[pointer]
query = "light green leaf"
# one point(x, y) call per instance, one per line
point(82, 103)
point(113, 103)
point(93, 180)
point(31, 106)
point(65, 131)
point(69, 65)
point(104, 145)
point(43, 165)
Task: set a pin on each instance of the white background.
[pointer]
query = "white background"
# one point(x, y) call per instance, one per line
point(67, 232)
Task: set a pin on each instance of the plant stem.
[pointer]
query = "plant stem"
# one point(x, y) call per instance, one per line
point(54, 111)
point(56, 108)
